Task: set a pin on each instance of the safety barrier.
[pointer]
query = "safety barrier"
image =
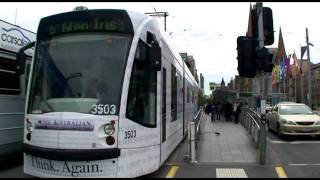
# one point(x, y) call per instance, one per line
point(194, 132)
point(250, 119)
point(255, 123)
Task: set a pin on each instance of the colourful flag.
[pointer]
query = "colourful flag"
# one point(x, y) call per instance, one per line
point(281, 69)
point(274, 78)
point(287, 66)
point(296, 65)
point(277, 73)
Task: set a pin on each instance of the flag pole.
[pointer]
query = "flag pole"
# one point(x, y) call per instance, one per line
point(295, 89)
point(301, 77)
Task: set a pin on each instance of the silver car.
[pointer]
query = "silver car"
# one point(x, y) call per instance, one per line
point(293, 119)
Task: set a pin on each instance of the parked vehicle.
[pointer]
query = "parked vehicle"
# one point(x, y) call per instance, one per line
point(293, 119)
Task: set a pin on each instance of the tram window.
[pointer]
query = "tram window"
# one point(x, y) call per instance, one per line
point(28, 67)
point(9, 80)
point(188, 95)
point(173, 93)
point(141, 103)
point(192, 96)
point(180, 93)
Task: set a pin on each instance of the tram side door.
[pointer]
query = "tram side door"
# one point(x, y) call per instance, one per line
point(164, 104)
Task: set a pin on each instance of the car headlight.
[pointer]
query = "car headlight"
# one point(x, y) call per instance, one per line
point(318, 123)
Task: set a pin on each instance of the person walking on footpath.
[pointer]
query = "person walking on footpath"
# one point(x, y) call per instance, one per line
point(213, 111)
point(228, 111)
point(219, 110)
point(237, 112)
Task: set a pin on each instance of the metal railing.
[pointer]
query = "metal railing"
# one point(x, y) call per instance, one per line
point(194, 132)
point(250, 119)
point(197, 121)
point(255, 123)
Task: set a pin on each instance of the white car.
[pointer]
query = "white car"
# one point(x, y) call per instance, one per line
point(293, 119)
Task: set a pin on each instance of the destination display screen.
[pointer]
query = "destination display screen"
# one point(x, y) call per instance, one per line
point(116, 21)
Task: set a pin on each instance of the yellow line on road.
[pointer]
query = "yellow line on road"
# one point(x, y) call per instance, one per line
point(280, 172)
point(172, 172)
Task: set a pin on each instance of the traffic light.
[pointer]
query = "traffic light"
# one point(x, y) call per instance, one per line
point(247, 66)
point(268, 31)
point(270, 64)
point(262, 56)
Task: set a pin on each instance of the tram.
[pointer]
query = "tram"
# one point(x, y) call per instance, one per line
point(108, 96)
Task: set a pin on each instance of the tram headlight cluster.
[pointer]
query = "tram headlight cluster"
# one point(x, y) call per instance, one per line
point(29, 125)
point(109, 128)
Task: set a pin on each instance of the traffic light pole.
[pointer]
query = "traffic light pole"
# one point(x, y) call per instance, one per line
point(263, 136)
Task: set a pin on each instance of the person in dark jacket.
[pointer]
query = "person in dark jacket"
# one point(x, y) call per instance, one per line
point(219, 110)
point(237, 112)
point(212, 110)
point(228, 111)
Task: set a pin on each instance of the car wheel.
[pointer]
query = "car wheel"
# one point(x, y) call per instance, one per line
point(279, 131)
point(268, 125)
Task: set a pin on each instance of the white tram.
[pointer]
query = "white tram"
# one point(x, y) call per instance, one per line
point(108, 96)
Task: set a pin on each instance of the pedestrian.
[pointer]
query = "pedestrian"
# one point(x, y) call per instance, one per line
point(219, 110)
point(213, 111)
point(228, 111)
point(224, 109)
point(206, 109)
point(237, 112)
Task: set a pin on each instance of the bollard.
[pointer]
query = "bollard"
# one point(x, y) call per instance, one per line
point(192, 140)
point(263, 139)
point(188, 154)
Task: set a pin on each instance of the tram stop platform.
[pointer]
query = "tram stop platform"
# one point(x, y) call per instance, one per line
point(225, 150)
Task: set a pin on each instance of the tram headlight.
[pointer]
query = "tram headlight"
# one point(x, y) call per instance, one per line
point(110, 140)
point(109, 128)
point(29, 125)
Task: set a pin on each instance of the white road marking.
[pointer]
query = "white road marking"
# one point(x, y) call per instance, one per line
point(230, 173)
point(293, 142)
point(316, 164)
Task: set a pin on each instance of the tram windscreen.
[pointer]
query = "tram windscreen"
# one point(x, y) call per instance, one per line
point(81, 72)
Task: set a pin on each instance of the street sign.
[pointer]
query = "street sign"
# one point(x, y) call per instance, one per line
point(212, 86)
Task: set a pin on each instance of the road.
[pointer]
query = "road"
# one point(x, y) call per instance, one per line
point(297, 156)
point(12, 167)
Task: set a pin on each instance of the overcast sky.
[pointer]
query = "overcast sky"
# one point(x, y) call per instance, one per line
point(206, 30)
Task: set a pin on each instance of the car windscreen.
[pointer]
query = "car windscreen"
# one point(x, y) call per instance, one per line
point(294, 109)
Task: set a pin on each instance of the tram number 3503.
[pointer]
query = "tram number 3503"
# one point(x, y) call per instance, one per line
point(103, 109)
point(130, 134)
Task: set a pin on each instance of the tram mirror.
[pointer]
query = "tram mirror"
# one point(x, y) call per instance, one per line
point(22, 57)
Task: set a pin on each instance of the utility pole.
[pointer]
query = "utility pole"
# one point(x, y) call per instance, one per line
point(301, 76)
point(309, 72)
point(262, 89)
point(160, 14)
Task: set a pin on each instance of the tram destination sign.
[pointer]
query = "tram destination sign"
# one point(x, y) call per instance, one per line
point(116, 21)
